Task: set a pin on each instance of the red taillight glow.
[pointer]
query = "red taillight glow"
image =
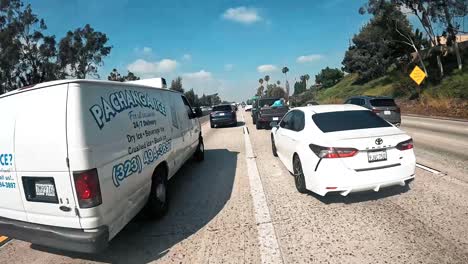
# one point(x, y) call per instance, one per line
point(376, 110)
point(405, 145)
point(333, 153)
point(88, 190)
point(331, 188)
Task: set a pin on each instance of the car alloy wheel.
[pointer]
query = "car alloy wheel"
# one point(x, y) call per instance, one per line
point(299, 175)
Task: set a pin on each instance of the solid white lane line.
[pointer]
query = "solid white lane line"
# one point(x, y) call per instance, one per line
point(269, 247)
point(428, 169)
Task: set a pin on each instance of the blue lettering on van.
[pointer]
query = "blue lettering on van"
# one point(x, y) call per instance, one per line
point(104, 111)
point(125, 169)
point(152, 154)
point(6, 159)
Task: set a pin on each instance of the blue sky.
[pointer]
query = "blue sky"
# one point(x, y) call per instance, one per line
point(216, 46)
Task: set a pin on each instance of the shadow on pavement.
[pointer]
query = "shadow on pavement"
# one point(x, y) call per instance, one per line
point(198, 192)
point(359, 197)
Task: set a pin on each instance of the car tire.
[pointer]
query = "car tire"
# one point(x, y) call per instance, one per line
point(273, 147)
point(158, 202)
point(211, 125)
point(299, 179)
point(199, 155)
point(254, 120)
point(258, 125)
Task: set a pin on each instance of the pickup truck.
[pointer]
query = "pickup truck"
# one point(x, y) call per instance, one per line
point(265, 113)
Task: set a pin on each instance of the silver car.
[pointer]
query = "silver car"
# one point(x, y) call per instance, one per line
point(383, 106)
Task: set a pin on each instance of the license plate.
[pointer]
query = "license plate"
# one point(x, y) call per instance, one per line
point(374, 156)
point(45, 190)
point(387, 113)
point(275, 118)
point(221, 114)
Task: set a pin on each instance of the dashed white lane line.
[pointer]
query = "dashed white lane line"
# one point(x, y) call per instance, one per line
point(269, 247)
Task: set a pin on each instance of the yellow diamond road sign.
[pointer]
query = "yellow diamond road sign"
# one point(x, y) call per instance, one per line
point(417, 75)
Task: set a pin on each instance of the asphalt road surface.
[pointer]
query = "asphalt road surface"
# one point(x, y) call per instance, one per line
point(240, 206)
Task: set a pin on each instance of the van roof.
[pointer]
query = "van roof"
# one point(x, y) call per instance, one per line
point(58, 82)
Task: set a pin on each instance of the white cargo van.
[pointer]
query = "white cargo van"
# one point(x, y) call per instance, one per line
point(80, 158)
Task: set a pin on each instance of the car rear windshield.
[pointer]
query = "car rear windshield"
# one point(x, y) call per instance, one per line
point(348, 120)
point(382, 102)
point(267, 102)
point(222, 108)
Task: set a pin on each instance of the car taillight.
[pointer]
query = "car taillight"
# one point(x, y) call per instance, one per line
point(376, 111)
point(398, 110)
point(333, 153)
point(212, 114)
point(405, 145)
point(87, 188)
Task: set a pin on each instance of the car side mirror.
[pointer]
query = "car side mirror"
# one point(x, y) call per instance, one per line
point(198, 112)
point(273, 124)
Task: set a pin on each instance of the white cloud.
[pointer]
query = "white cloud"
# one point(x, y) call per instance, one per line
point(145, 51)
point(187, 57)
point(199, 75)
point(267, 68)
point(242, 14)
point(147, 68)
point(309, 58)
point(228, 67)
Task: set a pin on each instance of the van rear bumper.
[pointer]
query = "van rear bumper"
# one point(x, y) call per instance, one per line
point(56, 237)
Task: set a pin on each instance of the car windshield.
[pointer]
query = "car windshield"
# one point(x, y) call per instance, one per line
point(382, 102)
point(348, 120)
point(222, 108)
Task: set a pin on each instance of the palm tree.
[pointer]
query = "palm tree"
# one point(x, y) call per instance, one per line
point(267, 78)
point(260, 89)
point(286, 86)
point(306, 78)
point(278, 82)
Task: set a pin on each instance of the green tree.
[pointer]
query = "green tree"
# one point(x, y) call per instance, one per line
point(82, 51)
point(260, 89)
point(285, 71)
point(328, 77)
point(192, 97)
point(299, 87)
point(114, 75)
point(378, 45)
point(275, 91)
point(176, 84)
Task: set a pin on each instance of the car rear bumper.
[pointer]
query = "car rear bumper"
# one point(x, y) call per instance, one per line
point(56, 237)
point(376, 186)
point(224, 121)
point(268, 119)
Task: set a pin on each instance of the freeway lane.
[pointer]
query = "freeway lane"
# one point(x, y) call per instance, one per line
point(440, 144)
point(213, 218)
point(422, 224)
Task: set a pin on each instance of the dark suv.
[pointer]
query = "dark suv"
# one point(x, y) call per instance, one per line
point(383, 106)
point(223, 115)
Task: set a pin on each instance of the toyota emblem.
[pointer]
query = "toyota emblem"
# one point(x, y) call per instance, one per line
point(379, 141)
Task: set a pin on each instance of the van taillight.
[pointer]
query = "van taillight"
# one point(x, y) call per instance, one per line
point(87, 188)
point(405, 145)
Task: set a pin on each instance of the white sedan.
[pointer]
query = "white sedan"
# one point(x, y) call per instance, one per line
point(342, 148)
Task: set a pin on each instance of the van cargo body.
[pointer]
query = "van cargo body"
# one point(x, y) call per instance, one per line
point(77, 158)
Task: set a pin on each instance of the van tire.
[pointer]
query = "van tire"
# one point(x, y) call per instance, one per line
point(158, 201)
point(199, 155)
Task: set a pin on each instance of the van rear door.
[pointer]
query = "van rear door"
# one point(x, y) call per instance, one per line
point(41, 157)
point(11, 202)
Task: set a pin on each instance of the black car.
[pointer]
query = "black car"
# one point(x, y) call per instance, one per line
point(266, 112)
point(383, 106)
point(223, 115)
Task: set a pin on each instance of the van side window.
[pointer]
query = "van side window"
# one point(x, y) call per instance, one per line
point(188, 108)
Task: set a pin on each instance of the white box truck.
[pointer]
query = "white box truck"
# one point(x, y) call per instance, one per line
point(80, 158)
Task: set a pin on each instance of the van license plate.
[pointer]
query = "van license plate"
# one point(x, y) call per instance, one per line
point(45, 190)
point(221, 114)
point(387, 113)
point(275, 118)
point(379, 155)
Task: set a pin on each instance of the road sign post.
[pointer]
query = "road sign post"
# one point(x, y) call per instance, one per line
point(418, 76)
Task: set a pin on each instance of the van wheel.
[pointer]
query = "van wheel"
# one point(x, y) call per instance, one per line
point(258, 126)
point(158, 201)
point(211, 125)
point(200, 152)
